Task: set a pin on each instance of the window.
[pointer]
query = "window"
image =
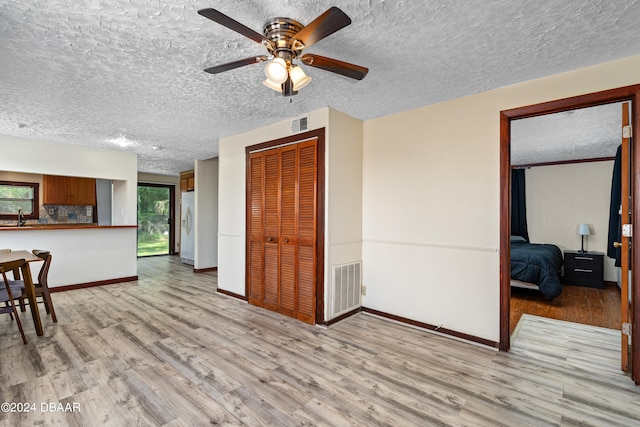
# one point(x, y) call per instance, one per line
point(19, 195)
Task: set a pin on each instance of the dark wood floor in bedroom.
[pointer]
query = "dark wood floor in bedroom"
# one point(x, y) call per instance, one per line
point(589, 306)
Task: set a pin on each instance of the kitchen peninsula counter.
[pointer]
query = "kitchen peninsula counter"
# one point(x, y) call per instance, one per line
point(82, 254)
point(59, 227)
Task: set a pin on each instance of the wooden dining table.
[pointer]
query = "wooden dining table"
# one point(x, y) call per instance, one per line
point(28, 281)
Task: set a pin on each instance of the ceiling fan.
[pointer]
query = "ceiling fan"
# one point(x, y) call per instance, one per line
point(285, 40)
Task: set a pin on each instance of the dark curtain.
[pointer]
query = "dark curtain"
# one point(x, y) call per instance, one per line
point(518, 205)
point(615, 226)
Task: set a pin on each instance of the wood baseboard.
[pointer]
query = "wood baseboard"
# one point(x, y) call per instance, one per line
point(93, 284)
point(389, 316)
point(434, 328)
point(204, 270)
point(232, 294)
point(343, 316)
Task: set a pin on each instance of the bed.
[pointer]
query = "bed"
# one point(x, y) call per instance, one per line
point(536, 266)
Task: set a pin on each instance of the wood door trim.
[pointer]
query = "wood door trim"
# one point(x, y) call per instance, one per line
point(299, 137)
point(318, 134)
point(563, 162)
point(248, 218)
point(232, 294)
point(172, 211)
point(627, 93)
point(625, 266)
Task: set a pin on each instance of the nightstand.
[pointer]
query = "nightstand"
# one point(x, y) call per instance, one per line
point(584, 269)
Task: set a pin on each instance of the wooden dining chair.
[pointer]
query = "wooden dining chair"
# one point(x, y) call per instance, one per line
point(41, 287)
point(6, 294)
point(16, 272)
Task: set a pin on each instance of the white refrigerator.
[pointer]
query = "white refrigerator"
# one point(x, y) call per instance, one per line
point(187, 238)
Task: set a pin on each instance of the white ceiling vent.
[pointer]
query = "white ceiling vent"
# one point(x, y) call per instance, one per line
point(300, 125)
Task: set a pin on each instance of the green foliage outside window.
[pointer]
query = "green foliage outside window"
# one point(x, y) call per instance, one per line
point(14, 197)
point(153, 218)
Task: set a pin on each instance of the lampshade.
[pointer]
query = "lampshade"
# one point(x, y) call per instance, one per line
point(583, 230)
point(271, 85)
point(299, 78)
point(276, 71)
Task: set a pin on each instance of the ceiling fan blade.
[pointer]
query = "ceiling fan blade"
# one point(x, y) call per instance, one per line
point(236, 64)
point(234, 25)
point(340, 67)
point(324, 25)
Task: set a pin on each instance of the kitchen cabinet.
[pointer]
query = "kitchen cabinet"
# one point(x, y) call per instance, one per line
point(67, 190)
point(187, 181)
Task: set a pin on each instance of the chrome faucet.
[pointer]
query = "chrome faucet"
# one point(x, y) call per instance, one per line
point(21, 221)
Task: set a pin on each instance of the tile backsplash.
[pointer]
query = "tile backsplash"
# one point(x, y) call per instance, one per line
point(55, 214)
point(61, 214)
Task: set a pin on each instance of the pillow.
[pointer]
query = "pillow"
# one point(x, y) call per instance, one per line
point(518, 239)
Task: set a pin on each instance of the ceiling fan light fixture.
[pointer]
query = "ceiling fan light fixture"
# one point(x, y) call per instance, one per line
point(285, 39)
point(299, 78)
point(276, 71)
point(271, 85)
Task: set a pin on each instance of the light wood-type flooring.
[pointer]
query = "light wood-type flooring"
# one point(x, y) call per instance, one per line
point(168, 350)
point(589, 306)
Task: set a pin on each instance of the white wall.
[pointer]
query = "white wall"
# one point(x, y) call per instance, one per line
point(232, 196)
point(206, 213)
point(343, 237)
point(155, 178)
point(431, 203)
point(431, 215)
point(560, 197)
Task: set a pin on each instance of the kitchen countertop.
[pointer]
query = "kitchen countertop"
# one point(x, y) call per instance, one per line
point(59, 227)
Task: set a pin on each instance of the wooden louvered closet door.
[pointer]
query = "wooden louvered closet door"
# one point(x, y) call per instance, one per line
point(282, 199)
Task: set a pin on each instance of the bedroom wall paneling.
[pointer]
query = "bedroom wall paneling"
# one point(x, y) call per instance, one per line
point(282, 221)
point(627, 93)
point(561, 196)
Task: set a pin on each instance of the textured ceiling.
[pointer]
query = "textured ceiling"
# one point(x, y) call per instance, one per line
point(85, 72)
point(587, 133)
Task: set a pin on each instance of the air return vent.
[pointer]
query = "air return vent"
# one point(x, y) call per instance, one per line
point(300, 125)
point(346, 288)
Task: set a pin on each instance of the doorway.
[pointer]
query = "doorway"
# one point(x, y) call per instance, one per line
point(562, 167)
point(630, 93)
point(156, 207)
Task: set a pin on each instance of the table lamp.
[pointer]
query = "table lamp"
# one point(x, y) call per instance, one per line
point(583, 230)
